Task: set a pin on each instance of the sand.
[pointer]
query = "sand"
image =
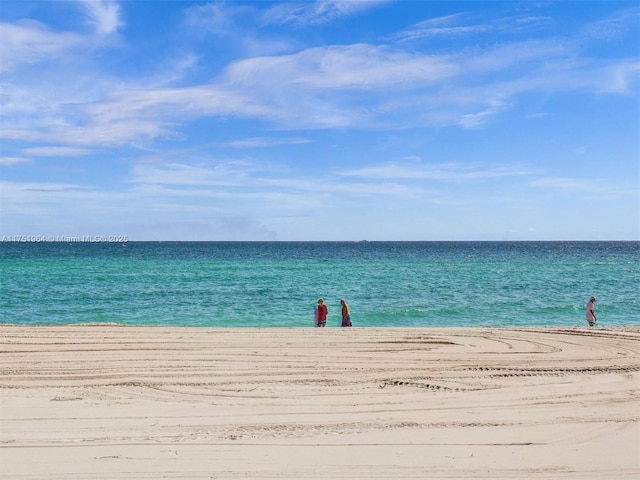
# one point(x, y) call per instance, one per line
point(109, 402)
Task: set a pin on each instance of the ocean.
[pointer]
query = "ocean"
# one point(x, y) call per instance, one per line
point(277, 284)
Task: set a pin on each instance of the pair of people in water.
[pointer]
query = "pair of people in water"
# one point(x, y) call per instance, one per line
point(322, 311)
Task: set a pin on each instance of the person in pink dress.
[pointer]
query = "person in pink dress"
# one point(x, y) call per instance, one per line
point(321, 314)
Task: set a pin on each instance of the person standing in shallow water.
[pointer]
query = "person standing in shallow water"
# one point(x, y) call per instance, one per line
point(321, 313)
point(591, 311)
point(346, 314)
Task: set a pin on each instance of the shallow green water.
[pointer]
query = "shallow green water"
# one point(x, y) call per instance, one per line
point(277, 283)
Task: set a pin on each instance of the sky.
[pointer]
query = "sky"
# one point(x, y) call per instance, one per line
point(320, 120)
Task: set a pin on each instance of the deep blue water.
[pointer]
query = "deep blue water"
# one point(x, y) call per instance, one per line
point(278, 283)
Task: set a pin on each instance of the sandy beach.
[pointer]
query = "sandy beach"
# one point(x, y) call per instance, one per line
point(110, 402)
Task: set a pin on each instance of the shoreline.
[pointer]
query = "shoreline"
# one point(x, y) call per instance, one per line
point(95, 401)
point(567, 327)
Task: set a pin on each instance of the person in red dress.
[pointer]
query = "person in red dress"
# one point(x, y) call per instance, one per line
point(321, 314)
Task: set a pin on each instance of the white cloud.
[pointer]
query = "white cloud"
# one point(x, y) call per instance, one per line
point(454, 26)
point(221, 174)
point(445, 172)
point(216, 17)
point(56, 152)
point(370, 83)
point(361, 85)
point(317, 12)
point(104, 15)
point(564, 183)
point(613, 26)
point(12, 161)
point(337, 86)
point(587, 187)
point(29, 42)
point(99, 132)
point(359, 66)
point(258, 142)
point(264, 187)
point(475, 120)
point(439, 26)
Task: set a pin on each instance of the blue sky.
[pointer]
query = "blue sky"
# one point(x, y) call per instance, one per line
point(325, 120)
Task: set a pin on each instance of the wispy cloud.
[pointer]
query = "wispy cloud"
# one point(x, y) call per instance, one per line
point(613, 26)
point(463, 25)
point(258, 142)
point(587, 187)
point(317, 12)
point(334, 86)
point(260, 184)
point(219, 17)
point(444, 172)
point(104, 15)
point(12, 161)
point(439, 26)
point(29, 42)
point(56, 151)
point(477, 119)
point(359, 66)
point(220, 174)
point(362, 85)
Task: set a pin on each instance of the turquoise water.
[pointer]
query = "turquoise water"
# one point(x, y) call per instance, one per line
point(386, 284)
